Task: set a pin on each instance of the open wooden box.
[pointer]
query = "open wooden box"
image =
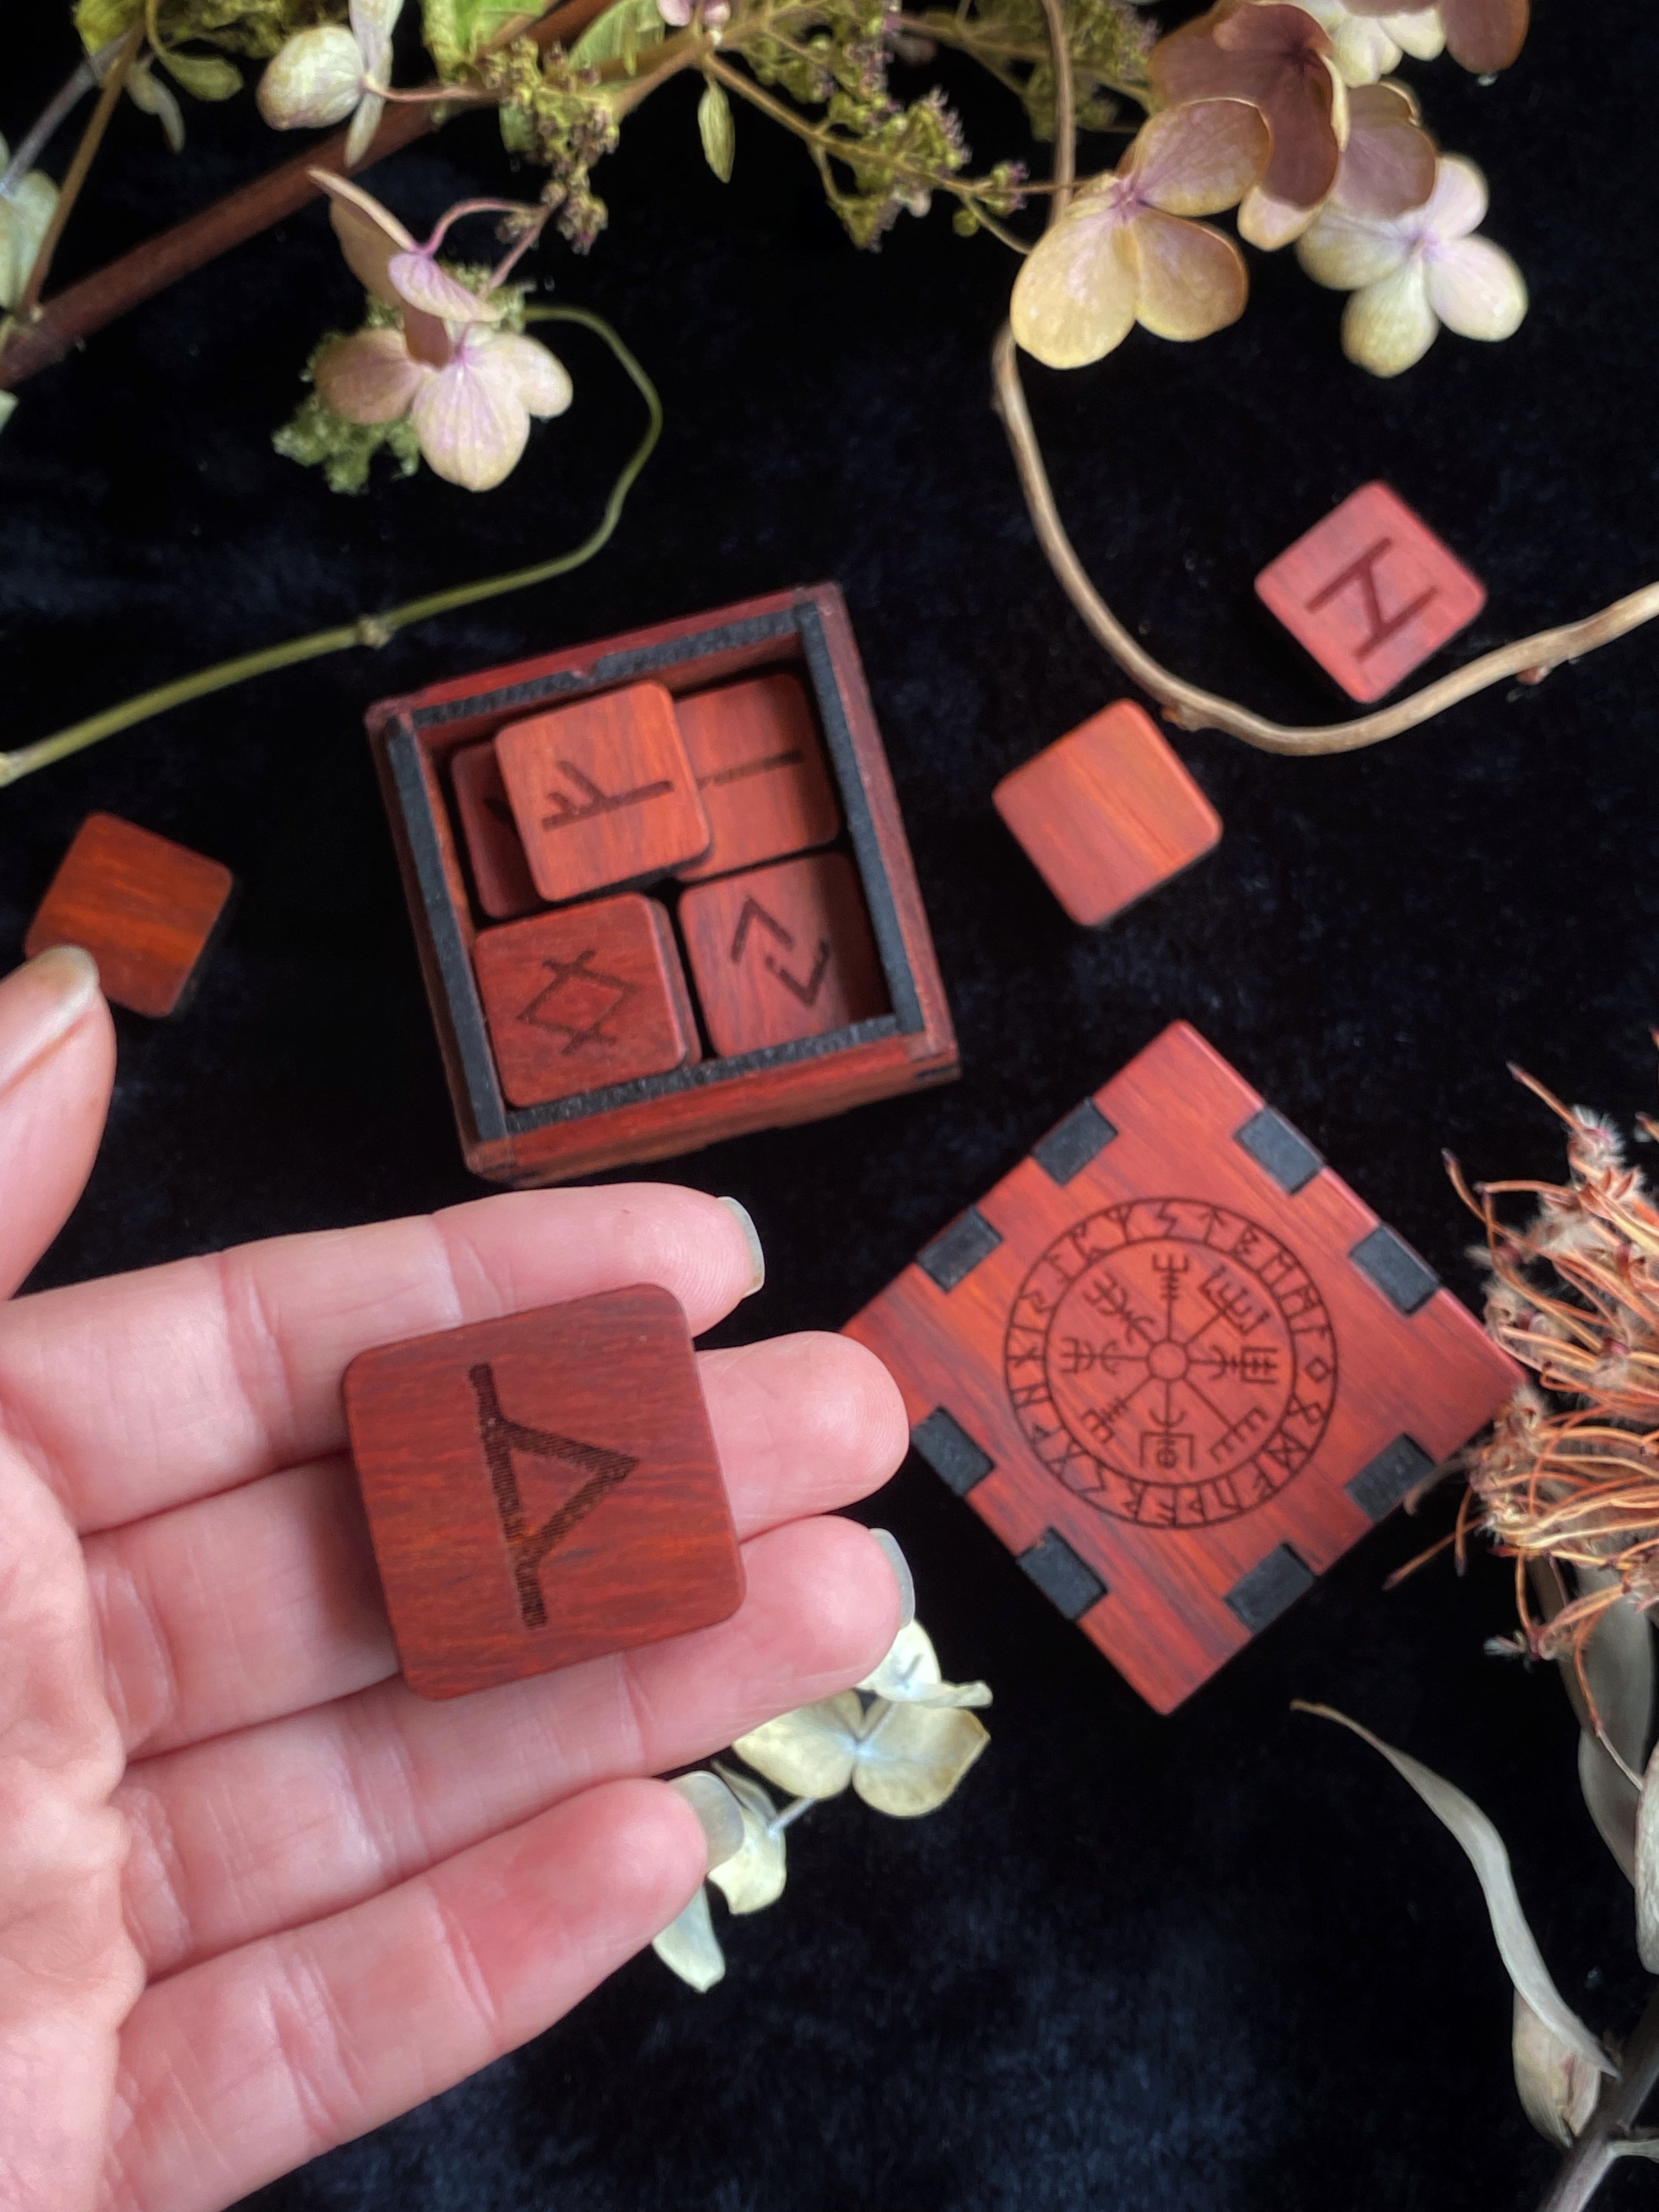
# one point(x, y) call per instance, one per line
point(911, 1044)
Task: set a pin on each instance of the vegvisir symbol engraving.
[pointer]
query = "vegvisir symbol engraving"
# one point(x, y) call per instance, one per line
point(579, 1001)
point(526, 1546)
point(1170, 1362)
point(807, 991)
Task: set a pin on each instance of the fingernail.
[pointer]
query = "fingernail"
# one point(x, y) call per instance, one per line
point(717, 1810)
point(41, 1002)
point(888, 1547)
point(751, 1238)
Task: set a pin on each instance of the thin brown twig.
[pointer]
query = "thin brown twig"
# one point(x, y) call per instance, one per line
point(91, 138)
point(1065, 111)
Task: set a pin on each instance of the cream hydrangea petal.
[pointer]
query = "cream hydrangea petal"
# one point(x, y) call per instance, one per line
point(1269, 223)
point(1476, 289)
point(1457, 204)
point(1363, 51)
point(690, 1947)
point(1193, 280)
point(1343, 252)
point(753, 1877)
point(914, 1756)
point(542, 379)
point(1420, 33)
point(369, 378)
point(910, 1671)
point(364, 124)
point(1074, 297)
point(470, 422)
point(1201, 157)
point(24, 218)
point(422, 283)
point(1388, 326)
point(314, 81)
point(810, 1752)
point(372, 22)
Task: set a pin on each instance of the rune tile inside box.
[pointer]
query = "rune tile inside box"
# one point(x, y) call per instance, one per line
point(500, 873)
point(602, 793)
point(147, 909)
point(760, 768)
point(1178, 1366)
point(584, 997)
point(782, 953)
point(542, 1489)
point(1107, 813)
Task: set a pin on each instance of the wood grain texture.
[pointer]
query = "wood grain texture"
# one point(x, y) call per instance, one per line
point(1162, 1376)
point(695, 652)
point(542, 1489)
point(584, 997)
point(602, 792)
point(144, 908)
point(1107, 813)
point(754, 750)
point(782, 952)
point(1371, 592)
point(500, 873)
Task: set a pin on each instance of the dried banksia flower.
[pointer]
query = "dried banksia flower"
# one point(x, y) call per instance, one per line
point(1569, 1478)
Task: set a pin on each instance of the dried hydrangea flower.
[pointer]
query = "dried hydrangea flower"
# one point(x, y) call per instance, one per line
point(1125, 252)
point(1279, 58)
point(468, 387)
point(1387, 167)
point(1411, 273)
point(1366, 47)
point(323, 74)
point(25, 212)
point(910, 1674)
point(901, 1758)
point(1483, 34)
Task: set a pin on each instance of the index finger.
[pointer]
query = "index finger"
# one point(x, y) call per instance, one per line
point(141, 1391)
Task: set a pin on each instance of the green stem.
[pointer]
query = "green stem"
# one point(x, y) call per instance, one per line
point(365, 629)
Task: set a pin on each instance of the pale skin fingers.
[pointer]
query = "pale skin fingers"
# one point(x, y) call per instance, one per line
point(143, 1391)
point(242, 2068)
point(280, 1825)
point(57, 1063)
point(262, 1601)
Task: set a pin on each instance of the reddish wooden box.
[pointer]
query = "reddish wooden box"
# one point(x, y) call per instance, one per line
point(1178, 1366)
point(414, 740)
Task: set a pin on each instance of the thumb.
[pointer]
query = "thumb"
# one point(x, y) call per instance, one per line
point(57, 1065)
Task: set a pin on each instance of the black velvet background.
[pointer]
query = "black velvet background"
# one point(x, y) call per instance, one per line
point(1222, 1959)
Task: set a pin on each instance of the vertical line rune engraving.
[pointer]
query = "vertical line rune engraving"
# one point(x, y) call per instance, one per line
point(526, 1546)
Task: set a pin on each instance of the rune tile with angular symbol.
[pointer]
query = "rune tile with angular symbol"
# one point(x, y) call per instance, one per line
point(1371, 592)
point(602, 793)
point(500, 873)
point(1176, 1381)
point(585, 997)
point(754, 750)
point(542, 1489)
point(782, 953)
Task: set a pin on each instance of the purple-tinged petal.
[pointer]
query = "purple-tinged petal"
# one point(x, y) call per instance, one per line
point(1458, 203)
point(1200, 157)
point(470, 421)
point(314, 81)
point(364, 124)
point(1388, 163)
point(370, 234)
point(541, 379)
point(372, 22)
point(1476, 289)
point(422, 283)
point(1343, 252)
point(1484, 35)
point(369, 378)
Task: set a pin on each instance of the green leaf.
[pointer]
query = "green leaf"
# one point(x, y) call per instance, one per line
point(99, 21)
point(619, 35)
point(205, 76)
point(720, 139)
point(455, 29)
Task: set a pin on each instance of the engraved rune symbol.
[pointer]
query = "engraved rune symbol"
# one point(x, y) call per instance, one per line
point(592, 800)
point(1380, 628)
point(526, 1546)
point(754, 913)
point(740, 770)
point(579, 1002)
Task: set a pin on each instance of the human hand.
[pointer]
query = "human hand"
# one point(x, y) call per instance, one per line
point(256, 1898)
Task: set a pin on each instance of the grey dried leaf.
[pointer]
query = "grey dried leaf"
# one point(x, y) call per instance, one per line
point(688, 1947)
point(1619, 1670)
point(810, 1752)
point(717, 130)
point(1483, 1848)
point(1558, 2089)
point(1647, 1868)
point(910, 1675)
point(912, 1756)
point(753, 1877)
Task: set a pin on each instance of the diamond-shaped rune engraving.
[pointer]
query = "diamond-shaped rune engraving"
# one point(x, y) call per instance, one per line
point(579, 1001)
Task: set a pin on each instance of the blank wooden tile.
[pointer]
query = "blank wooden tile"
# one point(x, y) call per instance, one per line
point(1371, 592)
point(759, 769)
point(602, 793)
point(1107, 813)
point(782, 952)
point(542, 1489)
point(144, 908)
point(584, 998)
point(1178, 1366)
point(501, 872)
